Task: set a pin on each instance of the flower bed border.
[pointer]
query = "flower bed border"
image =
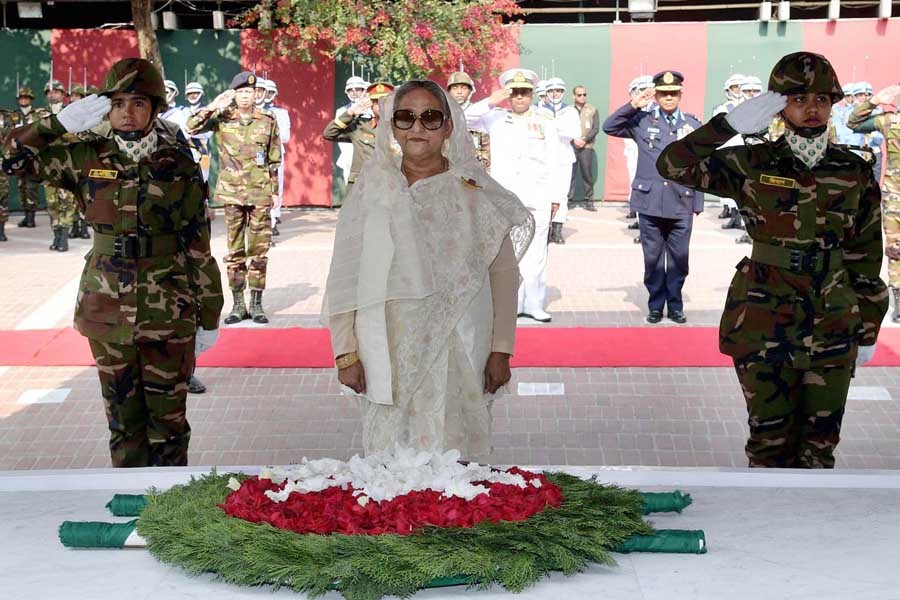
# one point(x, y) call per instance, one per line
point(183, 526)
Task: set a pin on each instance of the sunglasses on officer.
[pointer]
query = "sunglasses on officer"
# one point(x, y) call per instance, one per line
point(432, 119)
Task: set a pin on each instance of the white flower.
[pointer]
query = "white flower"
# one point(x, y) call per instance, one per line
point(233, 484)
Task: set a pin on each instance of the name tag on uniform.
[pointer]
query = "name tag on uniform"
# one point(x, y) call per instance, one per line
point(103, 174)
point(230, 130)
point(782, 182)
point(895, 125)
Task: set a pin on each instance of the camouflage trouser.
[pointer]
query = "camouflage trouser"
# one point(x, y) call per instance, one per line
point(794, 414)
point(28, 194)
point(4, 198)
point(890, 218)
point(249, 232)
point(60, 206)
point(144, 387)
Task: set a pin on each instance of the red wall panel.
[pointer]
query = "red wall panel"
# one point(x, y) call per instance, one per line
point(92, 49)
point(647, 49)
point(860, 50)
point(307, 92)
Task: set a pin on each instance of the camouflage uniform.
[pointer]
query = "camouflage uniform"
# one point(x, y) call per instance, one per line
point(249, 155)
point(149, 280)
point(889, 125)
point(60, 204)
point(482, 141)
point(357, 131)
point(796, 310)
point(28, 188)
point(6, 124)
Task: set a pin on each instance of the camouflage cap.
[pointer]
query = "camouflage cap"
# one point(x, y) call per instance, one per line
point(803, 73)
point(77, 89)
point(54, 84)
point(93, 89)
point(460, 77)
point(135, 76)
point(26, 92)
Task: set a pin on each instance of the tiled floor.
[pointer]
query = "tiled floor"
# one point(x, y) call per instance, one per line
point(667, 417)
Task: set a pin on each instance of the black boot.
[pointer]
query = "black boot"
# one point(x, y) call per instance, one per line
point(895, 316)
point(726, 212)
point(85, 230)
point(556, 233)
point(2, 231)
point(256, 308)
point(63, 244)
point(736, 221)
point(55, 244)
point(744, 239)
point(239, 310)
point(589, 206)
point(195, 386)
point(28, 220)
point(635, 225)
point(75, 231)
point(275, 231)
point(631, 215)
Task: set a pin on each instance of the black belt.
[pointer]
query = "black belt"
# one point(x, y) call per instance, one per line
point(135, 246)
point(797, 261)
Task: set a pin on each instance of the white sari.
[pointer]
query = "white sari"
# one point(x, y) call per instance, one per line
point(412, 263)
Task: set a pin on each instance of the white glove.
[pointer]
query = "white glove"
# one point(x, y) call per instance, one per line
point(864, 355)
point(83, 114)
point(205, 340)
point(754, 115)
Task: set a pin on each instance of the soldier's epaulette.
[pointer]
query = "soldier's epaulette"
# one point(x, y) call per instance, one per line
point(544, 112)
point(42, 113)
point(847, 152)
point(266, 112)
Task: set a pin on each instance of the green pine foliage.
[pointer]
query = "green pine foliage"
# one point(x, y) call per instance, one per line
point(184, 527)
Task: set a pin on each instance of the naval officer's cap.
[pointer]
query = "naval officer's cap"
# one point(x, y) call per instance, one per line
point(519, 79)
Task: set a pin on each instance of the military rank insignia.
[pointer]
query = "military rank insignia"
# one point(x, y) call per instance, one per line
point(782, 182)
point(471, 183)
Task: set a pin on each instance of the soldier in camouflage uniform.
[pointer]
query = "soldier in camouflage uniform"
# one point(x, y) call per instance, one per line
point(805, 309)
point(861, 120)
point(150, 291)
point(357, 126)
point(461, 88)
point(6, 124)
point(60, 203)
point(249, 154)
point(27, 114)
point(79, 226)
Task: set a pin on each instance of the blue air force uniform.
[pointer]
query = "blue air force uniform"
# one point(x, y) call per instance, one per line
point(666, 208)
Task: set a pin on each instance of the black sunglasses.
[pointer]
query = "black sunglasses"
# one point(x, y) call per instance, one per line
point(432, 119)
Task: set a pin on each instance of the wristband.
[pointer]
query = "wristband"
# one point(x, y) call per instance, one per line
point(346, 360)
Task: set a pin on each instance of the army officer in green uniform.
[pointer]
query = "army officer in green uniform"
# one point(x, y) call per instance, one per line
point(150, 290)
point(805, 309)
point(356, 125)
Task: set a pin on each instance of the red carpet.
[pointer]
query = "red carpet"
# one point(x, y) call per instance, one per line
point(535, 347)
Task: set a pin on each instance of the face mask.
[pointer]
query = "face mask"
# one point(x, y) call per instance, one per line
point(810, 150)
point(140, 149)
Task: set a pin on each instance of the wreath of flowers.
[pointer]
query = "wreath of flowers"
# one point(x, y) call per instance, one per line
point(187, 526)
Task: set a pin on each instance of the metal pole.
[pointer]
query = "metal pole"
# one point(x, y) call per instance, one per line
point(70, 81)
point(84, 79)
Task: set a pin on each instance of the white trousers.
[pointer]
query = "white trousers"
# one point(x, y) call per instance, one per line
point(276, 207)
point(533, 266)
point(561, 183)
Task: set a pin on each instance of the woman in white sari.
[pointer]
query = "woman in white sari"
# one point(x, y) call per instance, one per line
point(422, 291)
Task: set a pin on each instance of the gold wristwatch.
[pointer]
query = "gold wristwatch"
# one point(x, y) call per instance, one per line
point(345, 360)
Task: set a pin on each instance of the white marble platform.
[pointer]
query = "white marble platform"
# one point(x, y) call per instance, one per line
point(771, 534)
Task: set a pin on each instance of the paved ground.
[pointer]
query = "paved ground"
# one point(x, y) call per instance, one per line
point(53, 417)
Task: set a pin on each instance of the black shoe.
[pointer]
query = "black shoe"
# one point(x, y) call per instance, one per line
point(84, 231)
point(677, 316)
point(744, 239)
point(631, 215)
point(195, 386)
point(63, 244)
point(275, 231)
point(278, 220)
point(75, 230)
point(55, 244)
point(589, 206)
point(634, 225)
point(735, 223)
point(655, 316)
point(2, 231)
point(637, 240)
point(726, 212)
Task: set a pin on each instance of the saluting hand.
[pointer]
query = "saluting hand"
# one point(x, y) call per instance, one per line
point(498, 97)
point(643, 99)
point(83, 114)
point(360, 107)
point(886, 96)
point(755, 115)
point(222, 101)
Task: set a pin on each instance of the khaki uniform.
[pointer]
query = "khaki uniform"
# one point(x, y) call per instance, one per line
point(357, 131)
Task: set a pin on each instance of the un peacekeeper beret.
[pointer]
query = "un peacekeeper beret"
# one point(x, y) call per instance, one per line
point(243, 79)
point(379, 89)
point(668, 81)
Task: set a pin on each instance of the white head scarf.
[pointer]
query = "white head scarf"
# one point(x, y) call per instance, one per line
point(378, 255)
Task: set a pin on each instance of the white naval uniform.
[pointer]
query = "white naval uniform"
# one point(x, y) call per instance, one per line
point(568, 127)
point(524, 160)
point(284, 133)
